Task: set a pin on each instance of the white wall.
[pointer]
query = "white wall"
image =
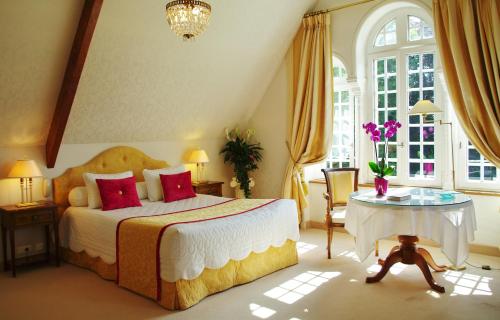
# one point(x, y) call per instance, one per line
point(270, 121)
point(70, 155)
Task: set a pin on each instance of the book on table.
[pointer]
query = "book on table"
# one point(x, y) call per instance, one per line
point(401, 194)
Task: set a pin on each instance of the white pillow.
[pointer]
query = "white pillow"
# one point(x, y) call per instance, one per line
point(142, 190)
point(78, 197)
point(153, 183)
point(94, 197)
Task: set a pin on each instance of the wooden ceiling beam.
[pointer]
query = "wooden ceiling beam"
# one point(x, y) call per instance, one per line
point(76, 61)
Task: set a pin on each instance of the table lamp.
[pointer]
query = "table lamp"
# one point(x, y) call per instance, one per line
point(424, 107)
point(25, 170)
point(200, 158)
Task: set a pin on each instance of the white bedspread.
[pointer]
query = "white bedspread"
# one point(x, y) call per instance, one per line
point(186, 249)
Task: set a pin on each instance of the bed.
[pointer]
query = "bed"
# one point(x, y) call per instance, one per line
point(225, 243)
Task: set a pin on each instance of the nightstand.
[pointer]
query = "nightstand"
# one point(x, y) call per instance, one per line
point(15, 218)
point(213, 188)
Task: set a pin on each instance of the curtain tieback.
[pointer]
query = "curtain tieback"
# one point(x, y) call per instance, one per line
point(298, 169)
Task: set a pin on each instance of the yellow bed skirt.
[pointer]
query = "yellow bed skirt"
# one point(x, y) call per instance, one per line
point(183, 294)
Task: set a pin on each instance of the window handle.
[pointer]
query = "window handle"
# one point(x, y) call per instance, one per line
point(401, 144)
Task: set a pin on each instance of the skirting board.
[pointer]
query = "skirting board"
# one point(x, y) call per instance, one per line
point(474, 248)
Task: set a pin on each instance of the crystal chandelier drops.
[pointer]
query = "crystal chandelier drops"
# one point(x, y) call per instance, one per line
point(188, 18)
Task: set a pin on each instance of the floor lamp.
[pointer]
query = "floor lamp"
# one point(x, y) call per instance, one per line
point(424, 107)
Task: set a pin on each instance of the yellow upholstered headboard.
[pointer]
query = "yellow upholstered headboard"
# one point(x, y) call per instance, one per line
point(113, 160)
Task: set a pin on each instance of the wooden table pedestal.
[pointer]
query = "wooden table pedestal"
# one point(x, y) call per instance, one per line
point(408, 253)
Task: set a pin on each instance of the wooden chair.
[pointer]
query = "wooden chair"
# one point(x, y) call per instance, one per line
point(340, 183)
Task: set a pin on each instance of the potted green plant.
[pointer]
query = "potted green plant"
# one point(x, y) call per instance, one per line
point(242, 155)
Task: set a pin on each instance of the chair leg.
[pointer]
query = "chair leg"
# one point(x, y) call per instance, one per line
point(376, 248)
point(329, 231)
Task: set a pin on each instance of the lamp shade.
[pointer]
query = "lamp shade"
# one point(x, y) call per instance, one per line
point(424, 107)
point(198, 156)
point(25, 169)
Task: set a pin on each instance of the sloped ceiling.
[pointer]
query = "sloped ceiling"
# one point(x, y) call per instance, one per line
point(140, 81)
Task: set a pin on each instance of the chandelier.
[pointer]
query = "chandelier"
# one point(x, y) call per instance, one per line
point(188, 18)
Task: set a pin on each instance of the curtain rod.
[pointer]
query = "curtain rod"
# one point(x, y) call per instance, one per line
point(337, 8)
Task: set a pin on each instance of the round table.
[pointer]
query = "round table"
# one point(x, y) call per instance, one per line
point(446, 217)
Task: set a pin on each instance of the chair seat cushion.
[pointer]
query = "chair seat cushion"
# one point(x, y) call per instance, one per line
point(337, 215)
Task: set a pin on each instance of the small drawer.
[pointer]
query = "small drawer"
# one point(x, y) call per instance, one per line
point(34, 218)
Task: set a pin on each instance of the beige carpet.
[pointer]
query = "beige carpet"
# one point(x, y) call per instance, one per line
point(316, 288)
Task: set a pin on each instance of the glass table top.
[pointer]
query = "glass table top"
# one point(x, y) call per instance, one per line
point(420, 197)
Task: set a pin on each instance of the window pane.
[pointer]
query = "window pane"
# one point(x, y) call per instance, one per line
point(392, 151)
point(414, 119)
point(414, 22)
point(390, 38)
point(380, 151)
point(391, 65)
point(345, 96)
point(380, 67)
point(428, 33)
point(391, 103)
point(381, 117)
point(428, 169)
point(414, 151)
point(391, 83)
point(429, 118)
point(391, 26)
point(428, 134)
point(428, 152)
point(414, 134)
point(428, 95)
point(414, 62)
point(428, 79)
point(414, 169)
point(335, 97)
point(395, 166)
point(474, 173)
point(379, 42)
point(381, 101)
point(414, 34)
point(336, 72)
point(392, 115)
point(474, 155)
point(414, 80)
point(428, 61)
point(490, 173)
point(380, 84)
point(414, 97)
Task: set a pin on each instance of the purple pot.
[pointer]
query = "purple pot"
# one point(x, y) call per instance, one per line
point(381, 186)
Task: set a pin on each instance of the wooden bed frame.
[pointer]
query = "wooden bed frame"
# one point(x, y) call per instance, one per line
point(180, 294)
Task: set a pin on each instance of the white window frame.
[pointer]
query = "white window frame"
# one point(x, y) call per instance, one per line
point(401, 50)
point(339, 86)
point(461, 167)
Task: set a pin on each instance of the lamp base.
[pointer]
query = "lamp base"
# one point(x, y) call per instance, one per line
point(27, 204)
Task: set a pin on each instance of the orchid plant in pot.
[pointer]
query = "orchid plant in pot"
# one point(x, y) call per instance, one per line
point(380, 167)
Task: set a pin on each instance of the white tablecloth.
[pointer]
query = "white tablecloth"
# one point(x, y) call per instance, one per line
point(452, 226)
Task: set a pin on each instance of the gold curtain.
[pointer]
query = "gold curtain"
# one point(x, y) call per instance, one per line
point(468, 38)
point(310, 115)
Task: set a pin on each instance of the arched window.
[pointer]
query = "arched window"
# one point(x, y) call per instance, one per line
point(387, 35)
point(403, 59)
point(342, 152)
point(393, 75)
point(418, 29)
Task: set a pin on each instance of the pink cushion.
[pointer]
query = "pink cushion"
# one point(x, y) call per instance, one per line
point(118, 193)
point(177, 186)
